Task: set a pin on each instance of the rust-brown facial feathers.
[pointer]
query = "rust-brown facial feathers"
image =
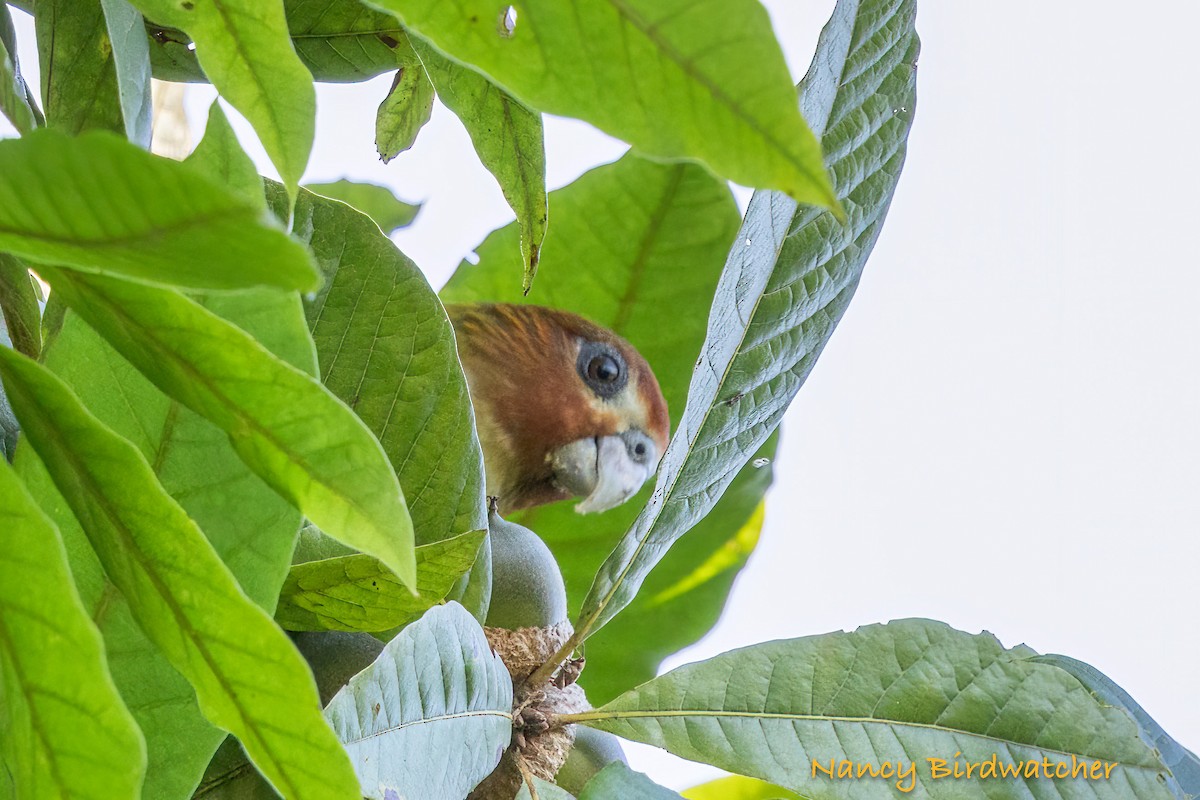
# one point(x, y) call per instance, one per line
point(563, 406)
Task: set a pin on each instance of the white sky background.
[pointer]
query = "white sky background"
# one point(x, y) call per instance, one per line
point(1003, 433)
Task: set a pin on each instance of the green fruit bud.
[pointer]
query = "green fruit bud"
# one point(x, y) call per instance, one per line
point(336, 656)
point(527, 585)
point(593, 751)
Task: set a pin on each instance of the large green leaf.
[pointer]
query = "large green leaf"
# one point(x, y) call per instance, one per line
point(387, 349)
point(379, 203)
point(131, 57)
point(66, 733)
point(58, 205)
point(19, 310)
point(283, 423)
point(357, 593)
point(909, 693)
point(248, 678)
point(244, 49)
point(407, 107)
point(1184, 765)
point(338, 40)
point(79, 75)
point(675, 78)
point(510, 142)
point(15, 101)
point(248, 524)
point(786, 284)
point(630, 239)
point(432, 715)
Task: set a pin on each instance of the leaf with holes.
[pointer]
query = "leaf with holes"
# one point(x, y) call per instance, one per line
point(674, 78)
point(407, 107)
point(787, 282)
point(914, 694)
point(357, 593)
point(337, 40)
point(432, 715)
point(248, 678)
point(66, 732)
point(175, 226)
point(509, 140)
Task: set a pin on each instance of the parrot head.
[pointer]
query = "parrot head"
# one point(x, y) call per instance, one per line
point(564, 407)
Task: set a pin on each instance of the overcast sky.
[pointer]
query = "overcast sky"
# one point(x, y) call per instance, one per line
point(1004, 432)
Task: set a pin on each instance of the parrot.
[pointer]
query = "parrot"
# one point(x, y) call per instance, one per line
point(563, 407)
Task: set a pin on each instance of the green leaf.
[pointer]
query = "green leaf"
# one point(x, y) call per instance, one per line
point(220, 157)
point(1184, 765)
point(79, 76)
point(387, 349)
point(909, 693)
point(283, 423)
point(337, 40)
point(378, 202)
point(675, 79)
point(510, 142)
point(19, 307)
point(15, 101)
point(66, 733)
point(739, 787)
point(432, 715)
point(546, 791)
point(243, 47)
point(406, 108)
point(247, 676)
point(786, 284)
point(250, 527)
point(344, 40)
point(131, 55)
point(618, 780)
point(57, 205)
point(357, 593)
point(652, 236)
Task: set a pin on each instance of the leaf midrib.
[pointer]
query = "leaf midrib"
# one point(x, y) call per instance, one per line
point(489, 712)
point(601, 715)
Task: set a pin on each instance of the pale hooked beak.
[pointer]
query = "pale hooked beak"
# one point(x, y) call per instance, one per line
point(606, 470)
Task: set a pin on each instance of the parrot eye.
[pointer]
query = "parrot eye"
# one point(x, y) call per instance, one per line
point(602, 368)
